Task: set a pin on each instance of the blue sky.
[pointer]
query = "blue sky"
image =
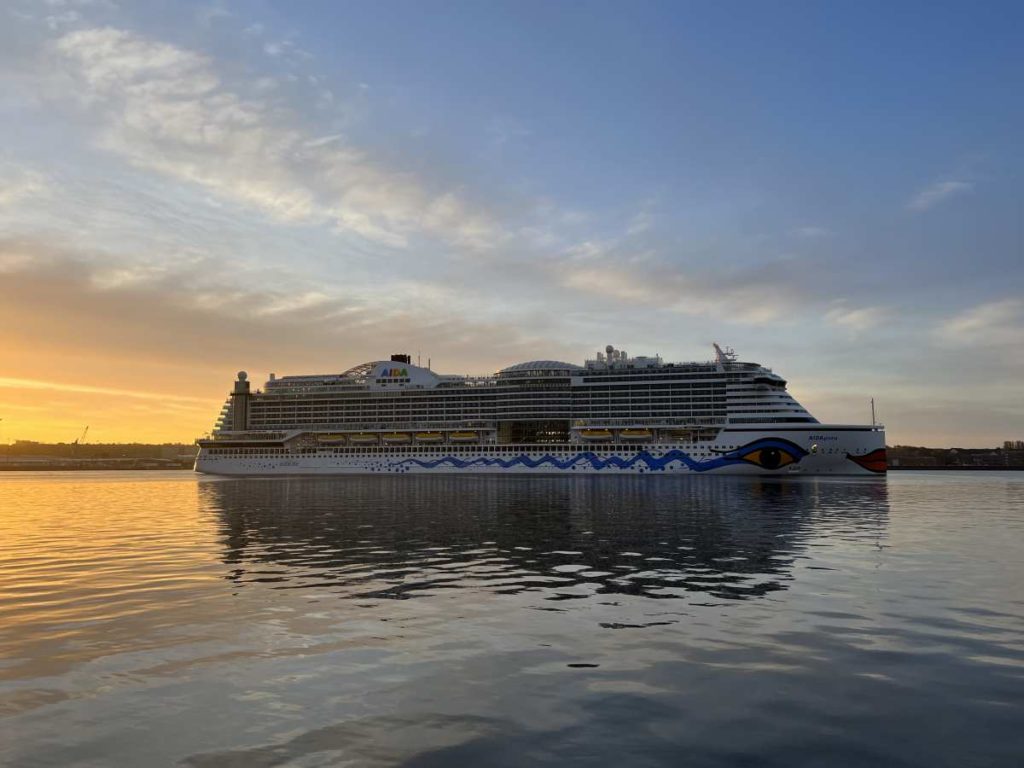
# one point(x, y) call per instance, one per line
point(833, 189)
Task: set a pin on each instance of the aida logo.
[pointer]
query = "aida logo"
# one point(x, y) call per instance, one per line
point(394, 373)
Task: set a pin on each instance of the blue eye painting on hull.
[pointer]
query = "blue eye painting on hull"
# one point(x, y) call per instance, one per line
point(768, 453)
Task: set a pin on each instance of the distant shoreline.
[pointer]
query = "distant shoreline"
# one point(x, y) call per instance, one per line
point(954, 468)
point(41, 467)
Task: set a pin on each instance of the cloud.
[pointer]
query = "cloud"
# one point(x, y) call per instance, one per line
point(996, 324)
point(276, 48)
point(503, 130)
point(589, 250)
point(207, 15)
point(614, 270)
point(201, 316)
point(640, 223)
point(55, 386)
point(58, 20)
point(20, 184)
point(738, 296)
point(165, 109)
point(938, 192)
point(107, 4)
point(857, 319)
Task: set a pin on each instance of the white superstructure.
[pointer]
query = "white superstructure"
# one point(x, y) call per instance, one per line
point(613, 414)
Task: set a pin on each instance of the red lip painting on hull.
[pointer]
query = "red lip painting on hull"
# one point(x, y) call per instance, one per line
point(873, 462)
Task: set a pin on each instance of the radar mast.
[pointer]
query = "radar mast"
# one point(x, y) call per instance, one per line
point(724, 356)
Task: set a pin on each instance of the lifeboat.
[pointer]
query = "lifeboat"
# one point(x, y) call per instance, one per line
point(635, 434)
point(362, 438)
point(596, 434)
point(429, 437)
point(397, 438)
point(330, 439)
point(464, 437)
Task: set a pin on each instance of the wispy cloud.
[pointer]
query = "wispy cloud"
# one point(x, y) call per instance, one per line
point(857, 319)
point(19, 184)
point(992, 324)
point(58, 386)
point(57, 20)
point(120, 312)
point(640, 223)
point(503, 130)
point(937, 193)
point(166, 109)
point(601, 272)
point(208, 14)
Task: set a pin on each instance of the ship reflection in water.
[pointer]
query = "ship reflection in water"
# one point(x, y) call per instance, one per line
point(515, 620)
point(398, 538)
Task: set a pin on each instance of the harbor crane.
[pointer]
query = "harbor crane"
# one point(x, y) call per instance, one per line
point(81, 440)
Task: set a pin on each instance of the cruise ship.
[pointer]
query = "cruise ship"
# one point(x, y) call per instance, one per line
point(613, 414)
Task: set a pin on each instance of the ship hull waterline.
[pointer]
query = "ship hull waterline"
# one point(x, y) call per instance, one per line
point(814, 450)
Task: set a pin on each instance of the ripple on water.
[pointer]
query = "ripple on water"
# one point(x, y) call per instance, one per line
point(160, 618)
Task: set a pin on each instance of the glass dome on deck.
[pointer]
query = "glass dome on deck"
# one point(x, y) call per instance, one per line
point(539, 368)
point(360, 372)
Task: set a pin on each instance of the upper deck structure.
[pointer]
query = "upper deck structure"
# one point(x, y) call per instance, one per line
point(539, 400)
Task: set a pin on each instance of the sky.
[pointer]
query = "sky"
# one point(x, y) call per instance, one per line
point(192, 189)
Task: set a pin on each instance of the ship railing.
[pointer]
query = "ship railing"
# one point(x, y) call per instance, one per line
point(390, 426)
point(649, 423)
point(220, 436)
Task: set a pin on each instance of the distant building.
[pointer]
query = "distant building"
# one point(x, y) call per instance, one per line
point(1013, 445)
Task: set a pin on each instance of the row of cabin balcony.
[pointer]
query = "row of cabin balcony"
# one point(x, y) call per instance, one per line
point(582, 408)
point(501, 393)
point(384, 425)
point(507, 398)
point(568, 408)
point(574, 404)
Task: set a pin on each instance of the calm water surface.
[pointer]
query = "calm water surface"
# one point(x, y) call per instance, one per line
point(163, 619)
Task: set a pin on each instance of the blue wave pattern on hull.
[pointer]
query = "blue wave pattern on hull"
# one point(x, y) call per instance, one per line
point(740, 455)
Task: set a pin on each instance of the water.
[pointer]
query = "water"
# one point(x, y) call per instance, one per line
point(163, 619)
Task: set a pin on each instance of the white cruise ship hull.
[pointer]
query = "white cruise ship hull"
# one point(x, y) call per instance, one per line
point(805, 450)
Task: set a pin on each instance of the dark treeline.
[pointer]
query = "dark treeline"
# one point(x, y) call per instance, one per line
point(99, 450)
point(917, 456)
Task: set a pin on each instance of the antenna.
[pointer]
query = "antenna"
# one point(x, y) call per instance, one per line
point(873, 422)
